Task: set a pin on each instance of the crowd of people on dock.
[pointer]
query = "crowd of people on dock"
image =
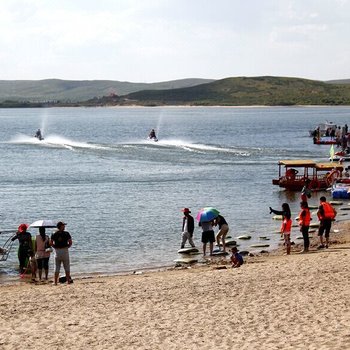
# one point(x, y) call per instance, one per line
point(34, 255)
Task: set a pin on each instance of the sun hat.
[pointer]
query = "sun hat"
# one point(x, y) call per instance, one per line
point(22, 228)
point(186, 210)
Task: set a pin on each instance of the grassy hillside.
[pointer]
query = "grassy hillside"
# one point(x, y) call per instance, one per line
point(249, 91)
point(74, 90)
point(239, 91)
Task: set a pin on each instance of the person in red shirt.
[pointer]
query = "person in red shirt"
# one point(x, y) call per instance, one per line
point(286, 226)
point(304, 223)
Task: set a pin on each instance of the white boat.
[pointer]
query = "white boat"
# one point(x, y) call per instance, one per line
point(323, 127)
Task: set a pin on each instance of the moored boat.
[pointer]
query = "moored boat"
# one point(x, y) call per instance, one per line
point(341, 156)
point(341, 190)
point(293, 173)
point(326, 140)
point(321, 129)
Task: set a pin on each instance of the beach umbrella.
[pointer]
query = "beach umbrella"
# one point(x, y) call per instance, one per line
point(214, 210)
point(44, 223)
point(207, 214)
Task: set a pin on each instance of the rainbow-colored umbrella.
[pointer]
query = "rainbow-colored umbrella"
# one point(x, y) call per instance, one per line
point(207, 214)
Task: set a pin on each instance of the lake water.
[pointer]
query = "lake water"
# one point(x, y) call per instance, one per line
point(122, 195)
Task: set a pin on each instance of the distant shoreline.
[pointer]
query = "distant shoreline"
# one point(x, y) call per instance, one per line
point(175, 106)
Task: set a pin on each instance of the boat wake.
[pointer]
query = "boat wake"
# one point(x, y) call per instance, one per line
point(56, 141)
point(197, 147)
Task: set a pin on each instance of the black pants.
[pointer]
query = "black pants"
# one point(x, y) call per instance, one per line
point(23, 255)
point(305, 232)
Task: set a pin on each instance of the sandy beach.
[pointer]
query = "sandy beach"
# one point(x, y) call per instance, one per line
point(301, 301)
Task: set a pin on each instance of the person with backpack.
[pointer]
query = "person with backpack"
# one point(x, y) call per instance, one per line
point(326, 214)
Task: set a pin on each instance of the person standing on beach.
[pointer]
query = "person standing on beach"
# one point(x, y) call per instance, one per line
point(42, 252)
point(207, 236)
point(187, 228)
point(326, 214)
point(61, 241)
point(286, 226)
point(304, 223)
point(25, 246)
point(223, 230)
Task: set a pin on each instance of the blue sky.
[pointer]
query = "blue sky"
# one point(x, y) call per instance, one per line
point(160, 40)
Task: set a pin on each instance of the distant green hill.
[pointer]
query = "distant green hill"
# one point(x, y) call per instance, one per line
point(244, 91)
point(76, 90)
point(239, 91)
point(340, 81)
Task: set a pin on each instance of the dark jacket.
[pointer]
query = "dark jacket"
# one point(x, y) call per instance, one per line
point(190, 223)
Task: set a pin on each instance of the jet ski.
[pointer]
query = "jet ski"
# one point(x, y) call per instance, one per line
point(152, 136)
point(38, 135)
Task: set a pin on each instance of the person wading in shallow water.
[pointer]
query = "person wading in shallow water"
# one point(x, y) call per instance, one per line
point(25, 246)
point(187, 228)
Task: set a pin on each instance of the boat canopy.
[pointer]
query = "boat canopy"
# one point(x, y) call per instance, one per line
point(297, 163)
point(329, 166)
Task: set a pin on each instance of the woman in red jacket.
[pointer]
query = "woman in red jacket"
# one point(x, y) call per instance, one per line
point(304, 223)
point(286, 226)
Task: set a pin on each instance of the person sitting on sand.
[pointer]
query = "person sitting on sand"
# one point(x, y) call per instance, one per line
point(236, 258)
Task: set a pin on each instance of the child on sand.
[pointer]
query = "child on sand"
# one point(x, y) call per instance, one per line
point(236, 258)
